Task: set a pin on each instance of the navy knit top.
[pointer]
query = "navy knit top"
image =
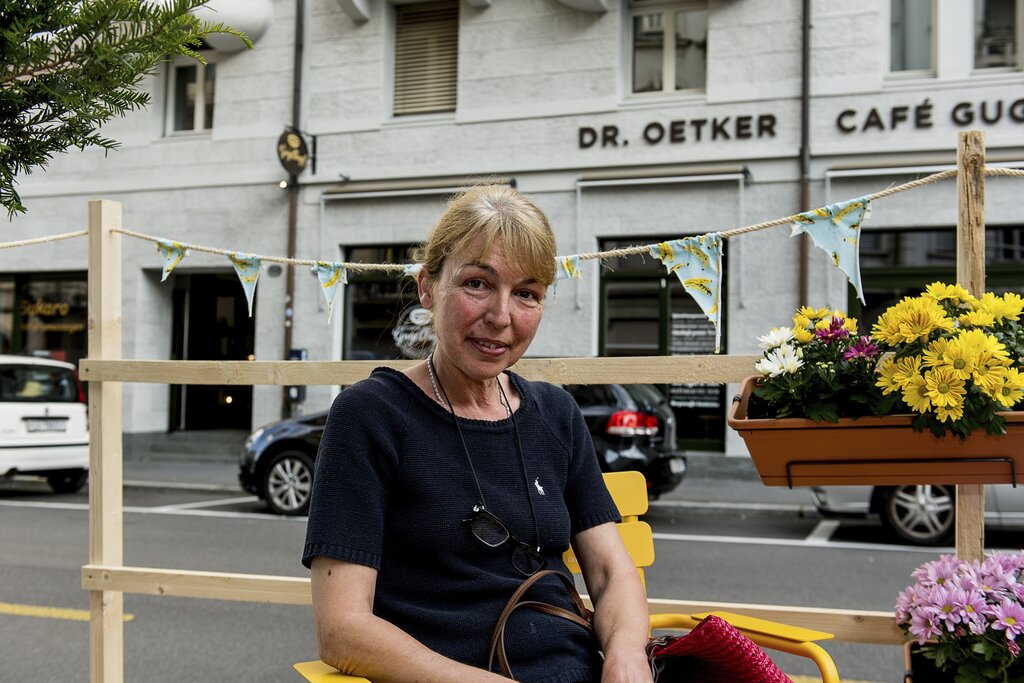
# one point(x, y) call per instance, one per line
point(393, 485)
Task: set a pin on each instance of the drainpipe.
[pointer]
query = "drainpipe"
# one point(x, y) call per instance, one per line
point(293, 194)
point(805, 144)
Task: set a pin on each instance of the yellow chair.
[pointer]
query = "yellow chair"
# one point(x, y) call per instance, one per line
point(629, 490)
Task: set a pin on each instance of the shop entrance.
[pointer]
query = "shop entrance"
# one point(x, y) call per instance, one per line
point(211, 322)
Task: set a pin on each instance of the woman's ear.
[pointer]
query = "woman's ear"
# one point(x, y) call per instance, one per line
point(423, 287)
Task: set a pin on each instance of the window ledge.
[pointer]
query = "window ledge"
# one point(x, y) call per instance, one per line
point(652, 100)
point(187, 135)
point(418, 120)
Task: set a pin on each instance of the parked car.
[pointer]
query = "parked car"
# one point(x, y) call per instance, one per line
point(921, 515)
point(632, 426)
point(44, 428)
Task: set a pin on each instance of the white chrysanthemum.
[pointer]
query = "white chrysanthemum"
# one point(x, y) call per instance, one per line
point(785, 360)
point(777, 337)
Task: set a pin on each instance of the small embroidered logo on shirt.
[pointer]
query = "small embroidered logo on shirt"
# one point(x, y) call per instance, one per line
point(540, 489)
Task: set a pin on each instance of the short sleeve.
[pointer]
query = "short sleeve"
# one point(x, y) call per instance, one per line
point(355, 466)
point(589, 502)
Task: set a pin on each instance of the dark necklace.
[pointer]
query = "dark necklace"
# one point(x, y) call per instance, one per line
point(465, 449)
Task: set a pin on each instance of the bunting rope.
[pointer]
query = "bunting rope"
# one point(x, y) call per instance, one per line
point(44, 240)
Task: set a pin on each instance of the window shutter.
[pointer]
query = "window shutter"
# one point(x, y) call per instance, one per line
point(426, 57)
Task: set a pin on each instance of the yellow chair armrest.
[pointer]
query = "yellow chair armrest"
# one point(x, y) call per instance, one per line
point(770, 628)
point(318, 672)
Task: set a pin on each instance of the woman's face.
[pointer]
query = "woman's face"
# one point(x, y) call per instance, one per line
point(485, 313)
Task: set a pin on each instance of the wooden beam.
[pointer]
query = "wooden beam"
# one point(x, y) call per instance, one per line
point(711, 369)
point(181, 583)
point(970, 272)
point(106, 538)
point(852, 626)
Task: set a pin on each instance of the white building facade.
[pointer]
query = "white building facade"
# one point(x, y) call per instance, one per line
point(628, 121)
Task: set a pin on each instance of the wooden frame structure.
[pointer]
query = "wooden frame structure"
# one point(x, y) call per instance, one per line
point(107, 579)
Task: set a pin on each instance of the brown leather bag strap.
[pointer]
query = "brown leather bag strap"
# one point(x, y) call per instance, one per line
point(583, 617)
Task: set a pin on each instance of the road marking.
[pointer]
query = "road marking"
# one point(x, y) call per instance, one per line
point(822, 533)
point(208, 503)
point(136, 483)
point(719, 505)
point(798, 543)
point(50, 612)
point(153, 511)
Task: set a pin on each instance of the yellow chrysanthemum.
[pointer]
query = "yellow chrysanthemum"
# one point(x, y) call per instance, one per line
point(1001, 308)
point(906, 369)
point(887, 377)
point(943, 292)
point(802, 335)
point(933, 355)
point(979, 318)
point(951, 413)
point(850, 324)
point(801, 322)
point(915, 394)
point(960, 358)
point(989, 373)
point(815, 314)
point(1012, 390)
point(910, 320)
point(944, 387)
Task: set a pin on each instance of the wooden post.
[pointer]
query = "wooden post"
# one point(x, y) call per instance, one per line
point(970, 272)
point(106, 546)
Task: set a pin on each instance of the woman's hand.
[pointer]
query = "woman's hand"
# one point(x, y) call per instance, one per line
point(626, 667)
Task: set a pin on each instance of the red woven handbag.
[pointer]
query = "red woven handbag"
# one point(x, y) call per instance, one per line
point(713, 652)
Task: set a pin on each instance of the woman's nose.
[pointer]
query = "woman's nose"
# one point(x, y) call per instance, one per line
point(500, 314)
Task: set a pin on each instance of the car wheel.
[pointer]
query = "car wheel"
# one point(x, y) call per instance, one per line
point(69, 481)
point(288, 483)
point(923, 515)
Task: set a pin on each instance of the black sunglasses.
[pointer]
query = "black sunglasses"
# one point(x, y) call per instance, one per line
point(490, 531)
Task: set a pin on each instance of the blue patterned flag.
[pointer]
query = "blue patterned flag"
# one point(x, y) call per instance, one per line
point(697, 262)
point(173, 253)
point(248, 268)
point(332, 276)
point(836, 230)
point(412, 269)
point(566, 268)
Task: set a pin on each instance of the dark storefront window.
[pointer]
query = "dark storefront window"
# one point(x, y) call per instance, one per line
point(375, 303)
point(646, 312)
point(899, 263)
point(44, 314)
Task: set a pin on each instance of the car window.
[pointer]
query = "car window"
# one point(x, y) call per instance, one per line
point(645, 393)
point(37, 383)
point(588, 395)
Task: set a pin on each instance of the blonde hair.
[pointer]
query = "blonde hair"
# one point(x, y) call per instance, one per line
point(489, 214)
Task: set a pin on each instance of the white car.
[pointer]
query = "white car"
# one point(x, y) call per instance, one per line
point(922, 515)
point(44, 427)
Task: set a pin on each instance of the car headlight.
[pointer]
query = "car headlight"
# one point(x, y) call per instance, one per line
point(254, 437)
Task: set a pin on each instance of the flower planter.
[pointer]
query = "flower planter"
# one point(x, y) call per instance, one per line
point(920, 669)
point(874, 450)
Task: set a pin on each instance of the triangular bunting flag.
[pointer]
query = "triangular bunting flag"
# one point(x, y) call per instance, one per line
point(566, 267)
point(173, 253)
point(248, 268)
point(697, 262)
point(412, 269)
point(331, 276)
point(836, 230)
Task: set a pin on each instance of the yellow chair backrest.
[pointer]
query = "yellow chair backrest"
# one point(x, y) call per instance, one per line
point(629, 491)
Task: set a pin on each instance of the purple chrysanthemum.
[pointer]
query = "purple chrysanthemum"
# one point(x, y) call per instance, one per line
point(834, 331)
point(862, 348)
point(1009, 617)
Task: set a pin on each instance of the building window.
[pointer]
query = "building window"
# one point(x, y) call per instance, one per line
point(669, 46)
point(190, 96)
point(911, 35)
point(426, 57)
point(996, 33)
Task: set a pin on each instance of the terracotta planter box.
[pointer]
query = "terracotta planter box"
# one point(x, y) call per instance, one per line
point(874, 451)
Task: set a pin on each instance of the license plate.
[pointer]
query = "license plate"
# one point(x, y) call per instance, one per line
point(42, 424)
point(676, 465)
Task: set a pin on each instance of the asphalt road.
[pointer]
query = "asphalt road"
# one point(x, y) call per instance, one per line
point(751, 545)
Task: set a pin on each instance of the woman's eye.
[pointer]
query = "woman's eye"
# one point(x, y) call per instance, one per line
point(529, 295)
point(475, 283)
